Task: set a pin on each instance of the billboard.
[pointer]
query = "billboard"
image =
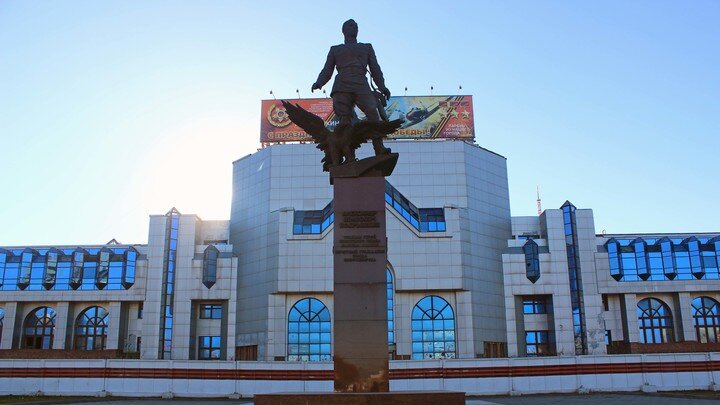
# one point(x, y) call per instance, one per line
point(426, 117)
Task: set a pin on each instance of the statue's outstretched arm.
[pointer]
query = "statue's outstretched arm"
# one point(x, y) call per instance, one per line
point(326, 72)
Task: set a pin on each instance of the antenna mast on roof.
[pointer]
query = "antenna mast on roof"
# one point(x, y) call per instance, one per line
point(539, 202)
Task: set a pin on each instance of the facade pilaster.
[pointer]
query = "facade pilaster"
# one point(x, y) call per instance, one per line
point(113, 336)
point(62, 311)
point(684, 316)
point(628, 306)
point(8, 330)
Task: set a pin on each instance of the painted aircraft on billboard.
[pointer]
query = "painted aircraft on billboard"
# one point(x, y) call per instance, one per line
point(417, 115)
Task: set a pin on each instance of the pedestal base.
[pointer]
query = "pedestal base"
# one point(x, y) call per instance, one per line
point(372, 166)
point(364, 398)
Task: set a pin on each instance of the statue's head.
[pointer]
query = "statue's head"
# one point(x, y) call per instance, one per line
point(350, 29)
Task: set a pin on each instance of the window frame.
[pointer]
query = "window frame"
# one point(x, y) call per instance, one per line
point(208, 310)
point(209, 348)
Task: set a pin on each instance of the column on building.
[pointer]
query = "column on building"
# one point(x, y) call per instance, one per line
point(153, 288)
point(554, 230)
point(114, 323)
point(628, 308)
point(684, 316)
point(513, 320)
point(591, 298)
point(8, 329)
point(63, 321)
point(230, 315)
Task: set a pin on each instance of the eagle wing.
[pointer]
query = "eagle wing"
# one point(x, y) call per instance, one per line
point(313, 125)
point(364, 130)
point(309, 122)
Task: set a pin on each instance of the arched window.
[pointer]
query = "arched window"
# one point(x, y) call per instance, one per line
point(655, 321)
point(706, 318)
point(390, 308)
point(91, 329)
point(433, 329)
point(39, 328)
point(309, 331)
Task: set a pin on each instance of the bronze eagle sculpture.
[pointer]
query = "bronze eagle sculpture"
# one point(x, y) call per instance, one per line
point(339, 145)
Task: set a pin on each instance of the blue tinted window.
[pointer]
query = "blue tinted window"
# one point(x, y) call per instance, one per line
point(209, 348)
point(25, 272)
point(532, 260)
point(535, 304)
point(313, 222)
point(642, 264)
point(128, 278)
point(88, 280)
point(537, 343)
point(616, 267)
point(666, 259)
point(692, 245)
point(654, 321)
point(115, 275)
point(211, 311)
point(172, 223)
point(4, 256)
point(390, 307)
point(309, 331)
point(433, 329)
point(422, 219)
point(61, 269)
point(39, 329)
point(91, 329)
point(52, 257)
point(574, 275)
point(210, 258)
point(102, 271)
point(706, 318)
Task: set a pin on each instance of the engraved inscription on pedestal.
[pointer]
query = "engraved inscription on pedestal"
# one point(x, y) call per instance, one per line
point(359, 248)
point(360, 257)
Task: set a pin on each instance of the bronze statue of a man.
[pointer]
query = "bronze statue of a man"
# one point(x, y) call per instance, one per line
point(351, 88)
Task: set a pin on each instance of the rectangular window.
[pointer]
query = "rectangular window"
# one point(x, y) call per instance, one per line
point(209, 348)
point(211, 311)
point(606, 305)
point(608, 337)
point(140, 311)
point(537, 343)
point(535, 304)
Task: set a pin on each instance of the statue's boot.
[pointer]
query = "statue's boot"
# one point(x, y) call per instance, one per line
point(380, 149)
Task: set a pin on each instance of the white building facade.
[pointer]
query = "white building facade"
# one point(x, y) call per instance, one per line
point(465, 279)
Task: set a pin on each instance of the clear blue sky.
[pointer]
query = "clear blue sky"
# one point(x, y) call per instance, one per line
point(114, 110)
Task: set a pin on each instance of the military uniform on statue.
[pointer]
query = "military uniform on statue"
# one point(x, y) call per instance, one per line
point(352, 60)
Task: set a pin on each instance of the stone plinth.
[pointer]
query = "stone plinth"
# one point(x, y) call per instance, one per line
point(360, 260)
